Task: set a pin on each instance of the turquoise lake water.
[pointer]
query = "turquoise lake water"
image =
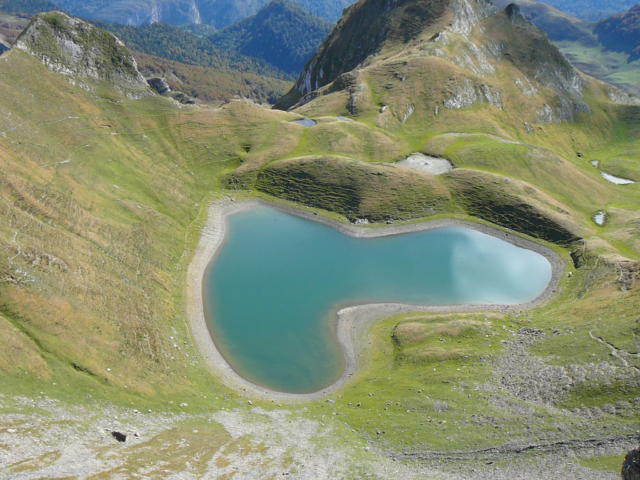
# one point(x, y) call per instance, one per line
point(273, 289)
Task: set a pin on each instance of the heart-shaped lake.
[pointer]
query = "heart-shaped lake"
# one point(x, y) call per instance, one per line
point(272, 290)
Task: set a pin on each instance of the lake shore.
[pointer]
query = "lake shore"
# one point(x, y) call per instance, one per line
point(352, 321)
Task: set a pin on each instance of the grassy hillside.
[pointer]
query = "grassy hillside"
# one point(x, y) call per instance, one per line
point(212, 85)
point(102, 201)
point(97, 192)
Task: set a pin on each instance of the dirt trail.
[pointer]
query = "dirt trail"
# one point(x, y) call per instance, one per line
point(621, 442)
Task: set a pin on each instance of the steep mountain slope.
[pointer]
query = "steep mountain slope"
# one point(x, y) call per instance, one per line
point(102, 200)
point(363, 31)
point(281, 34)
point(621, 32)
point(219, 76)
point(217, 13)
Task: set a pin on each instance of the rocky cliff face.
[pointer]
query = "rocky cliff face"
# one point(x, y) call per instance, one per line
point(82, 52)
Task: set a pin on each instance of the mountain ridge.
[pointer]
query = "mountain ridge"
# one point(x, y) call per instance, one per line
point(621, 32)
point(217, 13)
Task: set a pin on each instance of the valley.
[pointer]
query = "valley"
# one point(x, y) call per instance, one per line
point(105, 193)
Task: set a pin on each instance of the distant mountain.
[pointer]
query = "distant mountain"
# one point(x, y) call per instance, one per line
point(608, 50)
point(621, 32)
point(26, 6)
point(217, 13)
point(173, 43)
point(558, 25)
point(591, 10)
point(282, 34)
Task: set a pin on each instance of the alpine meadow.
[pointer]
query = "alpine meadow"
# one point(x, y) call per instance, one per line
point(241, 241)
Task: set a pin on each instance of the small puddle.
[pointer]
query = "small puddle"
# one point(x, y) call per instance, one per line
point(616, 180)
point(426, 163)
point(305, 122)
point(599, 218)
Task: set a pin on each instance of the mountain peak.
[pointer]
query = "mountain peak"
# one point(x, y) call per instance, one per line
point(84, 53)
point(469, 51)
point(370, 26)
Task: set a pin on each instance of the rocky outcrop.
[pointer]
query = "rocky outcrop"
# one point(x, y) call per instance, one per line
point(466, 94)
point(159, 85)
point(85, 54)
point(162, 87)
point(631, 465)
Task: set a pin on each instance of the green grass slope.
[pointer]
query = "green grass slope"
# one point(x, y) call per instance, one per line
point(96, 193)
point(102, 199)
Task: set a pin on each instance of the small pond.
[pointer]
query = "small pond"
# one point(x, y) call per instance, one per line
point(305, 122)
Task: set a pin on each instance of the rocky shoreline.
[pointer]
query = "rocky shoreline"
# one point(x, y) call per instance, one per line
point(353, 321)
